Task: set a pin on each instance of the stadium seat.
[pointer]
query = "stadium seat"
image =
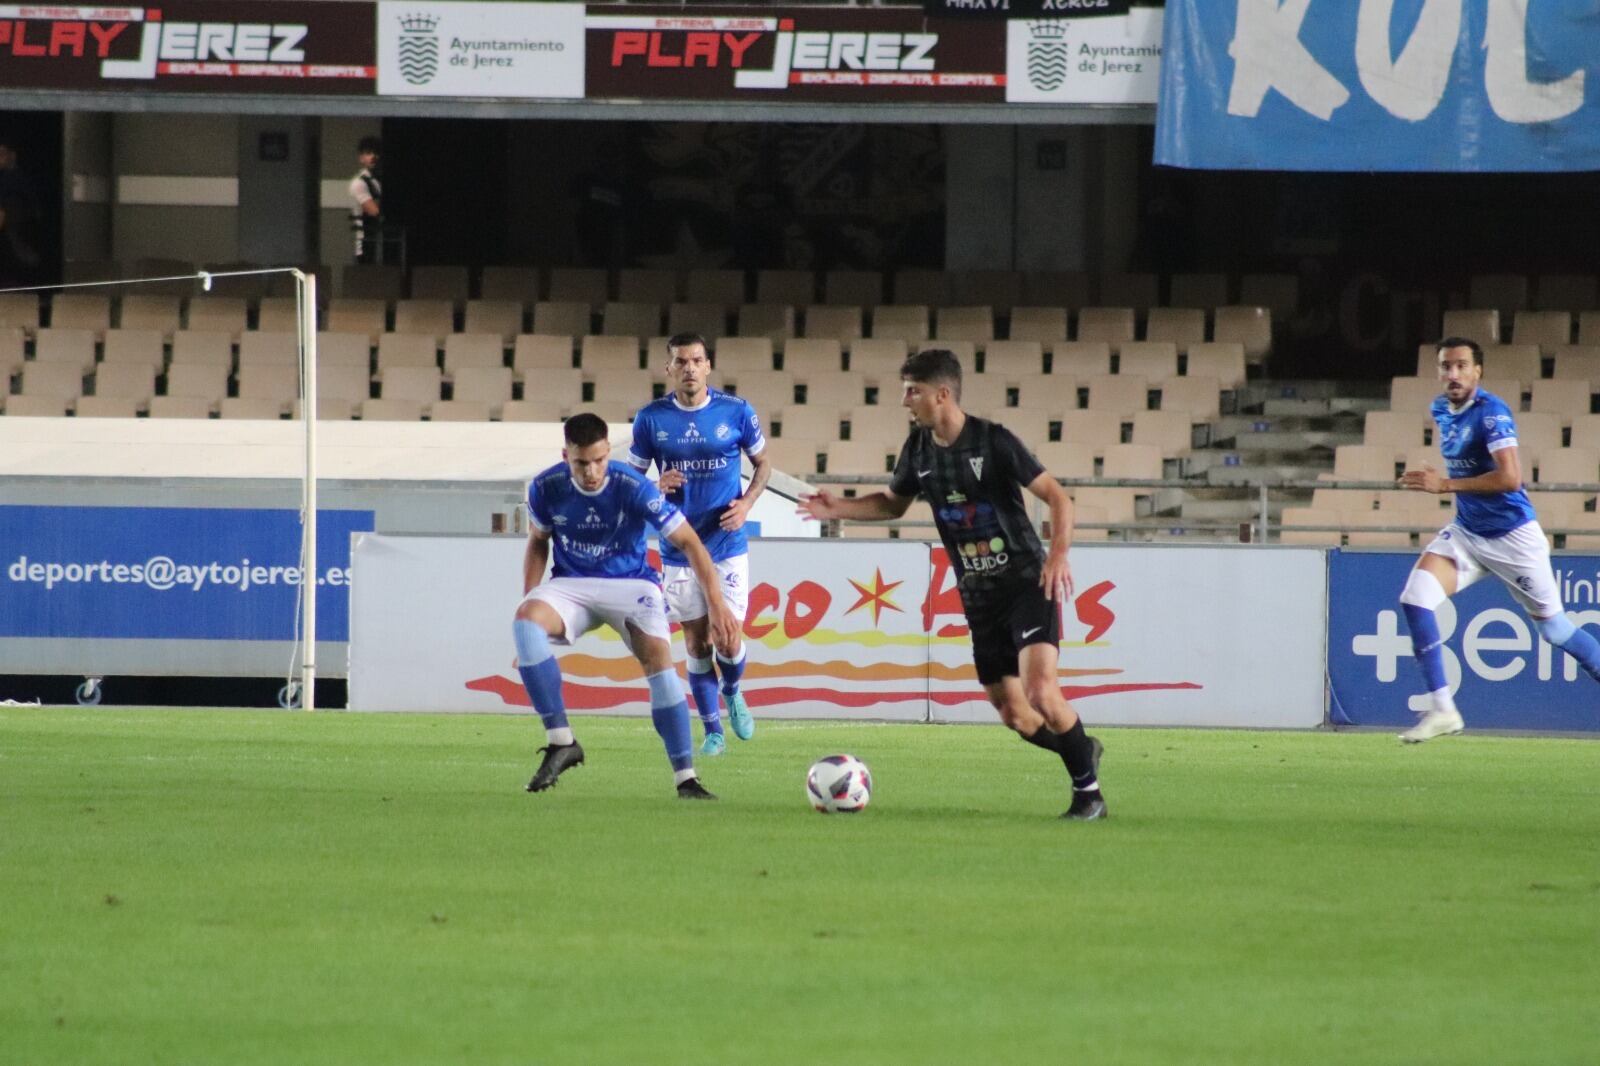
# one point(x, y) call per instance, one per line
point(434, 319)
point(276, 384)
point(813, 354)
point(818, 424)
point(387, 410)
point(723, 287)
point(370, 317)
point(1183, 327)
point(200, 381)
point(259, 409)
point(1033, 425)
point(278, 314)
point(1575, 466)
point(1148, 359)
point(631, 320)
point(1070, 289)
point(1198, 397)
point(1358, 535)
point(81, 311)
point(1522, 362)
point(562, 387)
point(1081, 359)
point(1548, 329)
point(588, 286)
point(477, 350)
point(482, 384)
point(419, 383)
point(1224, 361)
point(1121, 394)
point(1170, 432)
point(1364, 462)
point(344, 349)
point(449, 283)
point(19, 310)
point(460, 411)
point(834, 388)
point(538, 409)
point(1088, 523)
point(878, 359)
point(106, 407)
point(562, 318)
point(1344, 501)
point(535, 351)
point(383, 282)
point(341, 387)
point(218, 314)
point(610, 353)
point(1278, 293)
point(1567, 292)
point(1013, 357)
point(1566, 397)
point(710, 320)
point(772, 321)
point(796, 288)
point(907, 322)
point(859, 457)
point(1064, 458)
point(1507, 293)
point(1398, 431)
point(981, 394)
point(853, 288)
point(1197, 290)
point(151, 311)
point(1049, 392)
point(795, 457)
point(517, 284)
point(24, 406)
point(974, 324)
point(1580, 361)
point(180, 407)
point(69, 347)
point(1249, 326)
point(13, 345)
point(1044, 325)
point(619, 386)
point(823, 321)
point(1140, 291)
point(500, 317)
point(397, 350)
point(1133, 461)
point(1116, 506)
point(133, 381)
point(1413, 393)
point(1481, 325)
point(1538, 434)
point(60, 379)
point(1000, 290)
point(920, 287)
point(767, 390)
point(1112, 325)
point(202, 349)
point(1589, 327)
point(1293, 520)
point(1585, 432)
point(734, 354)
point(270, 349)
point(880, 423)
point(648, 286)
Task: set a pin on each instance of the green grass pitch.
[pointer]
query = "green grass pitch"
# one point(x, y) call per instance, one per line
point(269, 887)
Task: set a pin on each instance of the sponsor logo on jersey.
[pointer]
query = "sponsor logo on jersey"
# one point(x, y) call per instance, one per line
point(692, 433)
point(984, 555)
point(655, 505)
point(592, 519)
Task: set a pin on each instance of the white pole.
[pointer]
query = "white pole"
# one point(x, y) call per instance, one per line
point(307, 285)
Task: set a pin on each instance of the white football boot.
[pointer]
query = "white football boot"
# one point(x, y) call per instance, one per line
point(1434, 723)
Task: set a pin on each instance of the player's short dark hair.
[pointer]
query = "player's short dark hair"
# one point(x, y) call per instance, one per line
point(934, 366)
point(369, 144)
point(685, 340)
point(584, 429)
point(1461, 342)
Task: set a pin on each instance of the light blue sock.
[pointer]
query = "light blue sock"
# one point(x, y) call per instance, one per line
point(669, 711)
point(703, 683)
point(1425, 645)
point(1574, 641)
point(731, 670)
point(541, 675)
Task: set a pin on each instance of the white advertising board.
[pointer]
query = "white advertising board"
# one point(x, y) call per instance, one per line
point(1112, 60)
point(481, 50)
point(871, 629)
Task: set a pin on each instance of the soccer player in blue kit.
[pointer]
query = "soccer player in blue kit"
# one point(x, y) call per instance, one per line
point(695, 436)
point(595, 512)
point(1495, 531)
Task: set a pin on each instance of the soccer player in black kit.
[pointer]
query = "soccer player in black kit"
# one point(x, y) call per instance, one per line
point(972, 471)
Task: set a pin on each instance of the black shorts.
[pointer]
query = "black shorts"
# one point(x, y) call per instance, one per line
point(1002, 626)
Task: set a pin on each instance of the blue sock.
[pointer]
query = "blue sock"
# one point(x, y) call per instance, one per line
point(703, 683)
point(541, 675)
point(1574, 641)
point(731, 670)
point(1425, 645)
point(669, 712)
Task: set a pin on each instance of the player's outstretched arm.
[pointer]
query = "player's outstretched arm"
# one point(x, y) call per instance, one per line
point(1505, 477)
point(1056, 578)
point(724, 627)
point(880, 506)
point(534, 559)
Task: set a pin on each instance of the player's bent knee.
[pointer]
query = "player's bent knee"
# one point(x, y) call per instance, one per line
point(1423, 590)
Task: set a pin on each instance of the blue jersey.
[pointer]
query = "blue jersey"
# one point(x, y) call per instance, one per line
point(600, 533)
point(1469, 438)
point(704, 442)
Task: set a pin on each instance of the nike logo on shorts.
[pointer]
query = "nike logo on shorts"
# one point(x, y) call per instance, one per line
point(924, 473)
point(1026, 633)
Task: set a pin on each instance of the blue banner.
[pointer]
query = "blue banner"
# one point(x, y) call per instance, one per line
point(1507, 676)
point(1399, 85)
point(169, 572)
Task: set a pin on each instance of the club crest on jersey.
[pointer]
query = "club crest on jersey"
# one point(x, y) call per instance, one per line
point(976, 462)
point(723, 431)
point(655, 505)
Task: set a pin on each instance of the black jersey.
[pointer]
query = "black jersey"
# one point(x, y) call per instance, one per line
point(975, 488)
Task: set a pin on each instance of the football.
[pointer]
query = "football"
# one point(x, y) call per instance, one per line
point(839, 783)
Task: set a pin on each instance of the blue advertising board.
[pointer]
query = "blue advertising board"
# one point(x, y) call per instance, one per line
point(169, 572)
point(1506, 676)
point(1398, 85)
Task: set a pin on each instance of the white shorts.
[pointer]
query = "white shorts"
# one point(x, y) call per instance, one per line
point(1521, 559)
point(685, 601)
point(585, 603)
